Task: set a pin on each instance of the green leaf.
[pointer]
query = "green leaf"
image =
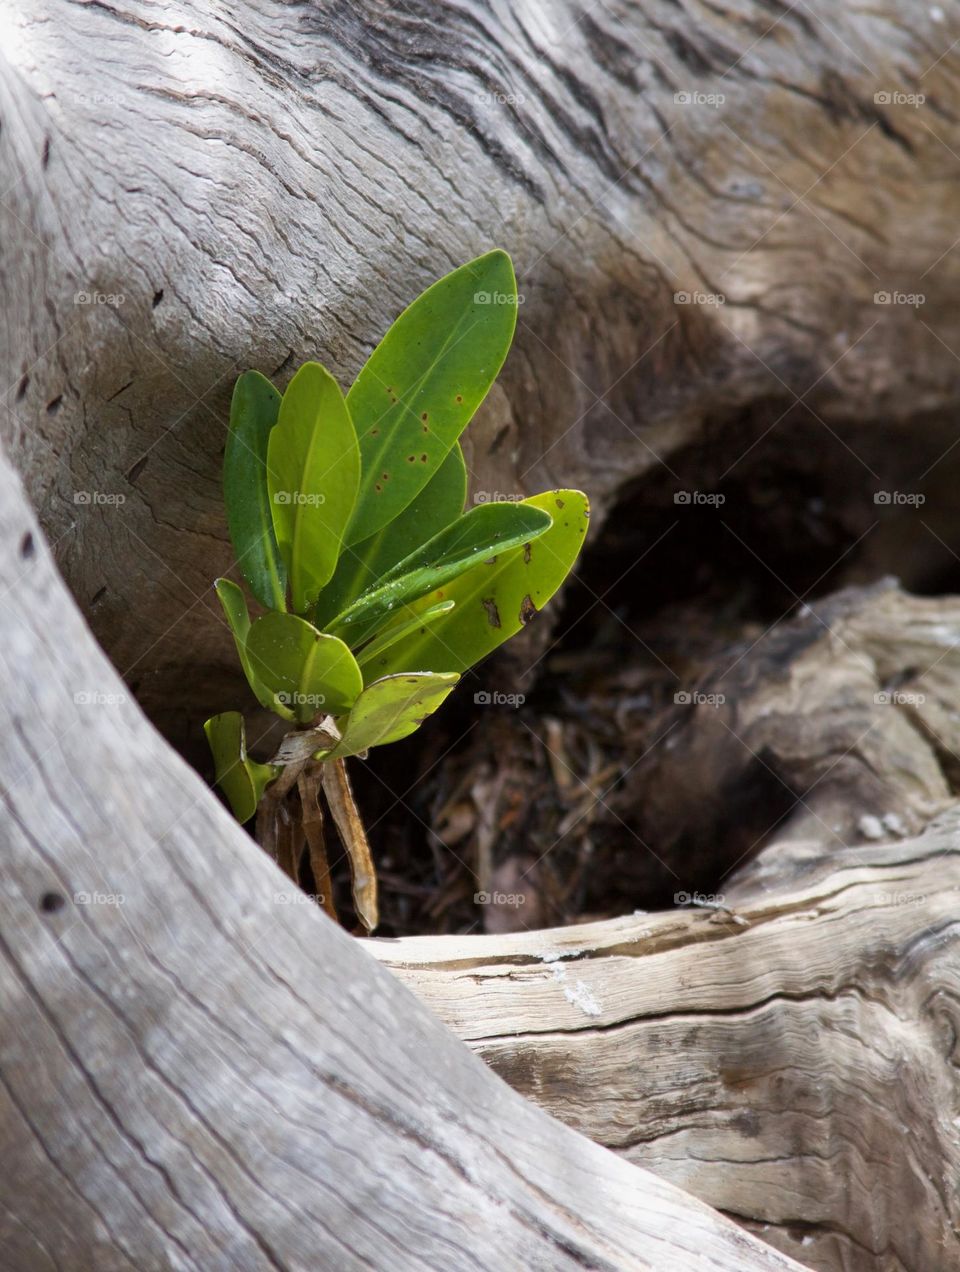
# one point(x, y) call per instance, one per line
point(480, 533)
point(234, 605)
point(390, 709)
point(313, 470)
point(253, 413)
point(360, 567)
point(307, 671)
point(493, 601)
point(405, 622)
point(423, 382)
point(241, 779)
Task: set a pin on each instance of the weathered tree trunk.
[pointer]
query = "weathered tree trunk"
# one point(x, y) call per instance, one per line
point(261, 191)
point(197, 1072)
point(791, 1059)
point(788, 1053)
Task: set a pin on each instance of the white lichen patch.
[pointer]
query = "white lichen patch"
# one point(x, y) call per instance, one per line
point(577, 993)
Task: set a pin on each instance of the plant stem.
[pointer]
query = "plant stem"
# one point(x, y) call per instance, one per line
point(308, 784)
point(336, 787)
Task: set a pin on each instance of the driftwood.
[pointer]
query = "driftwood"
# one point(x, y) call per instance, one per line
point(844, 718)
point(787, 1050)
point(197, 1072)
point(183, 198)
point(836, 727)
point(791, 1059)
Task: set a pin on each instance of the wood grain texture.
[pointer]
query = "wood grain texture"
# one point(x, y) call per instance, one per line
point(197, 1071)
point(834, 727)
point(259, 191)
point(795, 1067)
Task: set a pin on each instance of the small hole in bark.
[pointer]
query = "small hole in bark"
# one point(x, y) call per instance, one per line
point(54, 405)
point(27, 546)
point(157, 297)
point(499, 439)
point(282, 367)
point(22, 388)
point(45, 157)
point(51, 902)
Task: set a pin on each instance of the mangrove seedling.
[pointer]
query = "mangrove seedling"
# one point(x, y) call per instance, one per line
point(378, 589)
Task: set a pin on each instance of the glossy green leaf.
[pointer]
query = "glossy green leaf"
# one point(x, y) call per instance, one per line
point(313, 471)
point(423, 382)
point(253, 413)
point(494, 600)
point(234, 605)
point(390, 709)
point(307, 671)
point(479, 534)
point(363, 565)
point(241, 779)
point(407, 621)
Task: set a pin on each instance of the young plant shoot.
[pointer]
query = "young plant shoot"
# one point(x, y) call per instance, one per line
point(377, 588)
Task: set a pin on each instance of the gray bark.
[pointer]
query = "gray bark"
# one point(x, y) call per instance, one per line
point(201, 1075)
point(266, 187)
point(198, 1072)
point(788, 1050)
point(791, 1059)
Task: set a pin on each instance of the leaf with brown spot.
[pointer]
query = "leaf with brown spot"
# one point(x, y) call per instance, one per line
point(522, 577)
point(528, 610)
point(391, 708)
point(439, 358)
point(493, 614)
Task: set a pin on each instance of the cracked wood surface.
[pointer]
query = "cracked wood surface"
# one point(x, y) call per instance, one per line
point(834, 727)
point(797, 1068)
point(197, 1072)
point(260, 193)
